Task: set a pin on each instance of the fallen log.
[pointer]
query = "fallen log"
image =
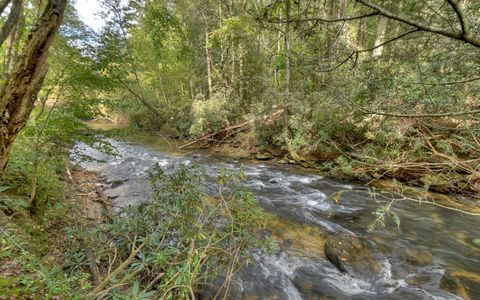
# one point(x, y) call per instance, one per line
point(207, 136)
point(241, 126)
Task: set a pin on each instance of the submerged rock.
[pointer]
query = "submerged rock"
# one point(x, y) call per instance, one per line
point(355, 256)
point(311, 287)
point(453, 284)
point(416, 257)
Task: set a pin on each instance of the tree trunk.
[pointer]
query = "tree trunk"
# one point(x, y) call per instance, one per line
point(20, 92)
point(381, 29)
point(240, 68)
point(209, 64)
point(13, 46)
point(11, 20)
point(7, 57)
point(279, 49)
point(288, 142)
point(287, 52)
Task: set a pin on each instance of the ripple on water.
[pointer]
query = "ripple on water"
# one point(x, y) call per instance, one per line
point(303, 179)
point(303, 198)
point(315, 199)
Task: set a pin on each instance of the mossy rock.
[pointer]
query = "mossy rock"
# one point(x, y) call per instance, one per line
point(355, 256)
point(263, 156)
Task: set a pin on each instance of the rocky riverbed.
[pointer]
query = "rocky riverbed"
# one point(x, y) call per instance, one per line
point(324, 249)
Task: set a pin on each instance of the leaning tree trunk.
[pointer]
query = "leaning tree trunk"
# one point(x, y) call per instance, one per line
point(20, 92)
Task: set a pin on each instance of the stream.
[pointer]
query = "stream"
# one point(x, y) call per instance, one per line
point(430, 255)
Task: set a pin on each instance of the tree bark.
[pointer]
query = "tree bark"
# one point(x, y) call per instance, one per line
point(279, 50)
point(20, 92)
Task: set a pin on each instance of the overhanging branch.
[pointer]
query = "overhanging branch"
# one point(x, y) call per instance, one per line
point(321, 20)
point(412, 116)
point(461, 36)
point(459, 13)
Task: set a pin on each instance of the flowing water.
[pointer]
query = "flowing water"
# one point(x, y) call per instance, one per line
point(429, 241)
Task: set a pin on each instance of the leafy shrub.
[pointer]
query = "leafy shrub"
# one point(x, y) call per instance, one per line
point(31, 276)
point(183, 121)
point(145, 119)
point(209, 114)
point(184, 237)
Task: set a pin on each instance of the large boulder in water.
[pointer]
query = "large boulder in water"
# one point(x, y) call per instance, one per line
point(355, 256)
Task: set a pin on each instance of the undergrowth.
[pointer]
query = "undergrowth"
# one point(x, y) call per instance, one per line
point(180, 241)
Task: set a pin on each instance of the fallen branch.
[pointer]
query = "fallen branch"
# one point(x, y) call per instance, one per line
point(104, 200)
point(240, 127)
point(207, 136)
point(92, 265)
point(117, 271)
point(400, 115)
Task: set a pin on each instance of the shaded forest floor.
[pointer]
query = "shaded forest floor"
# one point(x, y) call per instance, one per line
point(36, 259)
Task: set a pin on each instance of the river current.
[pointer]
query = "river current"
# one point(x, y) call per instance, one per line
point(429, 241)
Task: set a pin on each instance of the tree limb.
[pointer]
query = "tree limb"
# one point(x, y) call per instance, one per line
point(389, 41)
point(439, 115)
point(447, 83)
point(324, 20)
point(462, 36)
point(118, 270)
point(459, 12)
point(240, 126)
point(369, 49)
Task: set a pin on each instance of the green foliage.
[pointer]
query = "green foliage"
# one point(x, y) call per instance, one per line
point(382, 213)
point(161, 26)
point(209, 115)
point(3, 188)
point(145, 119)
point(187, 238)
point(234, 29)
point(135, 294)
point(38, 158)
point(28, 274)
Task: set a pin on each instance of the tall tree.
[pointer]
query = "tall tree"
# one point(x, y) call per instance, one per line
point(20, 91)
